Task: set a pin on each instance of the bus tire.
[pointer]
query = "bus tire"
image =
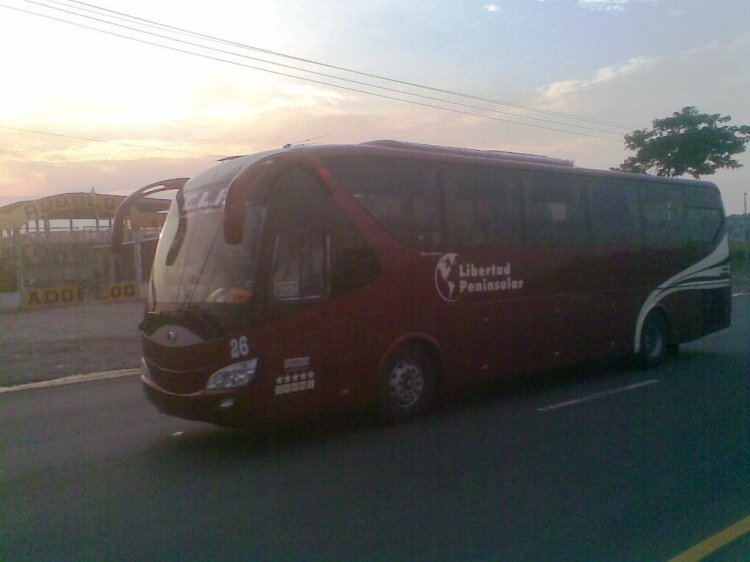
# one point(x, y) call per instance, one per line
point(654, 341)
point(407, 385)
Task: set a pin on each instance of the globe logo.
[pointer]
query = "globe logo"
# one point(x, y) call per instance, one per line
point(446, 277)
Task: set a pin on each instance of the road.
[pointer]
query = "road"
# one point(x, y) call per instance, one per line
point(610, 463)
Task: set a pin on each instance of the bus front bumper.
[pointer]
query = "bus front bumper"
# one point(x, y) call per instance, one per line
point(228, 408)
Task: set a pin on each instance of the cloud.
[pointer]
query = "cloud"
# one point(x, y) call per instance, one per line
point(558, 95)
point(604, 5)
point(611, 5)
point(307, 94)
point(492, 7)
point(714, 77)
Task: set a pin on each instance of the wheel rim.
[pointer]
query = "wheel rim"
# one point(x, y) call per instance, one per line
point(406, 383)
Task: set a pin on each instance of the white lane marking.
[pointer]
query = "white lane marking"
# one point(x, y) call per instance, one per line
point(72, 379)
point(597, 395)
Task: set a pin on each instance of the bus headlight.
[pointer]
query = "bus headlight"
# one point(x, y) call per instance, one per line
point(232, 376)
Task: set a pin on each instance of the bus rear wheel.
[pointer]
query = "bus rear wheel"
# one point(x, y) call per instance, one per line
point(407, 385)
point(654, 341)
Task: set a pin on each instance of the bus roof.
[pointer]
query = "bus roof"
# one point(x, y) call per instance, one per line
point(472, 152)
point(228, 168)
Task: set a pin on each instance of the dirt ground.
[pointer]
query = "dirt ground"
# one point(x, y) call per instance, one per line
point(45, 344)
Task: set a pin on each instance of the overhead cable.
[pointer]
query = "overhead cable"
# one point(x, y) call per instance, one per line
point(90, 139)
point(181, 43)
point(150, 23)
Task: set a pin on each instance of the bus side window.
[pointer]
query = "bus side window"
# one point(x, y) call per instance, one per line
point(325, 255)
point(399, 194)
point(299, 266)
point(352, 266)
point(481, 207)
point(662, 216)
point(702, 224)
point(556, 210)
point(614, 213)
point(703, 215)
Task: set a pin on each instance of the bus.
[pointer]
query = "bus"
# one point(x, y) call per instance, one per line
point(338, 278)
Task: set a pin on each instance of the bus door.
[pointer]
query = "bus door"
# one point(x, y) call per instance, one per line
point(314, 260)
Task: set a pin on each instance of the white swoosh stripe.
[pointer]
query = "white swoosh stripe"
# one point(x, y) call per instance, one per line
point(712, 265)
point(720, 253)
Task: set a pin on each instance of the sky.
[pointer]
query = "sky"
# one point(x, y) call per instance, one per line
point(84, 108)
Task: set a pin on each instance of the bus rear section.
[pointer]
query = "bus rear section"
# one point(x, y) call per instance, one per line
point(313, 280)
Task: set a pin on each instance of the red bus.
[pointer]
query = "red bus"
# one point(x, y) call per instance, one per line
point(330, 278)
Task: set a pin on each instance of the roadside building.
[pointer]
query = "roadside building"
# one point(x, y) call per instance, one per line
point(56, 250)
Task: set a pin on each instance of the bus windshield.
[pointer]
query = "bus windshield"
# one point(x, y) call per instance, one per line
point(193, 265)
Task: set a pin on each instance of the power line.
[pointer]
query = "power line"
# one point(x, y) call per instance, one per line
point(297, 69)
point(90, 139)
point(359, 83)
point(356, 82)
point(150, 23)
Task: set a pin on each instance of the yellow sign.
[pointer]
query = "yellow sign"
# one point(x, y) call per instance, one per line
point(78, 294)
point(78, 206)
point(65, 204)
point(112, 292)
point(52, 296)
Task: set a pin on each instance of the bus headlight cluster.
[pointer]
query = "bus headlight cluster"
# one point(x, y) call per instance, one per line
point(233, 376)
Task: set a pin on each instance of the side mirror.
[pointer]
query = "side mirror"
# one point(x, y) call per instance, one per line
point(124, 208)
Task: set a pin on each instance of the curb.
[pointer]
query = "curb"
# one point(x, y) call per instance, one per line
point(72, 379)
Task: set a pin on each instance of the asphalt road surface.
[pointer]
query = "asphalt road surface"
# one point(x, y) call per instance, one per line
point(606, 463)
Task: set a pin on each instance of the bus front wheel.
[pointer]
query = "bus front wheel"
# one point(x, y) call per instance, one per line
point(407, 385)
point(654, 341)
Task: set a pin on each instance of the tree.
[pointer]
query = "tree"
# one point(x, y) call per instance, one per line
point(687, 142)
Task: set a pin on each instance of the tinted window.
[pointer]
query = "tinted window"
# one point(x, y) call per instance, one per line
point(299, 266)
point(662, 215)
point(353, 264)
point(482, 207)
point(702, 225)
point(300, 206)
point(399, 194)
point(703, 214)
point(614, 212)
point(555, 209)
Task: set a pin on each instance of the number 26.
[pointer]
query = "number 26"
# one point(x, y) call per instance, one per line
point(239, 347)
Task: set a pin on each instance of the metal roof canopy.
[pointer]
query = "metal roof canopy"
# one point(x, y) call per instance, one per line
point(146, 213)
